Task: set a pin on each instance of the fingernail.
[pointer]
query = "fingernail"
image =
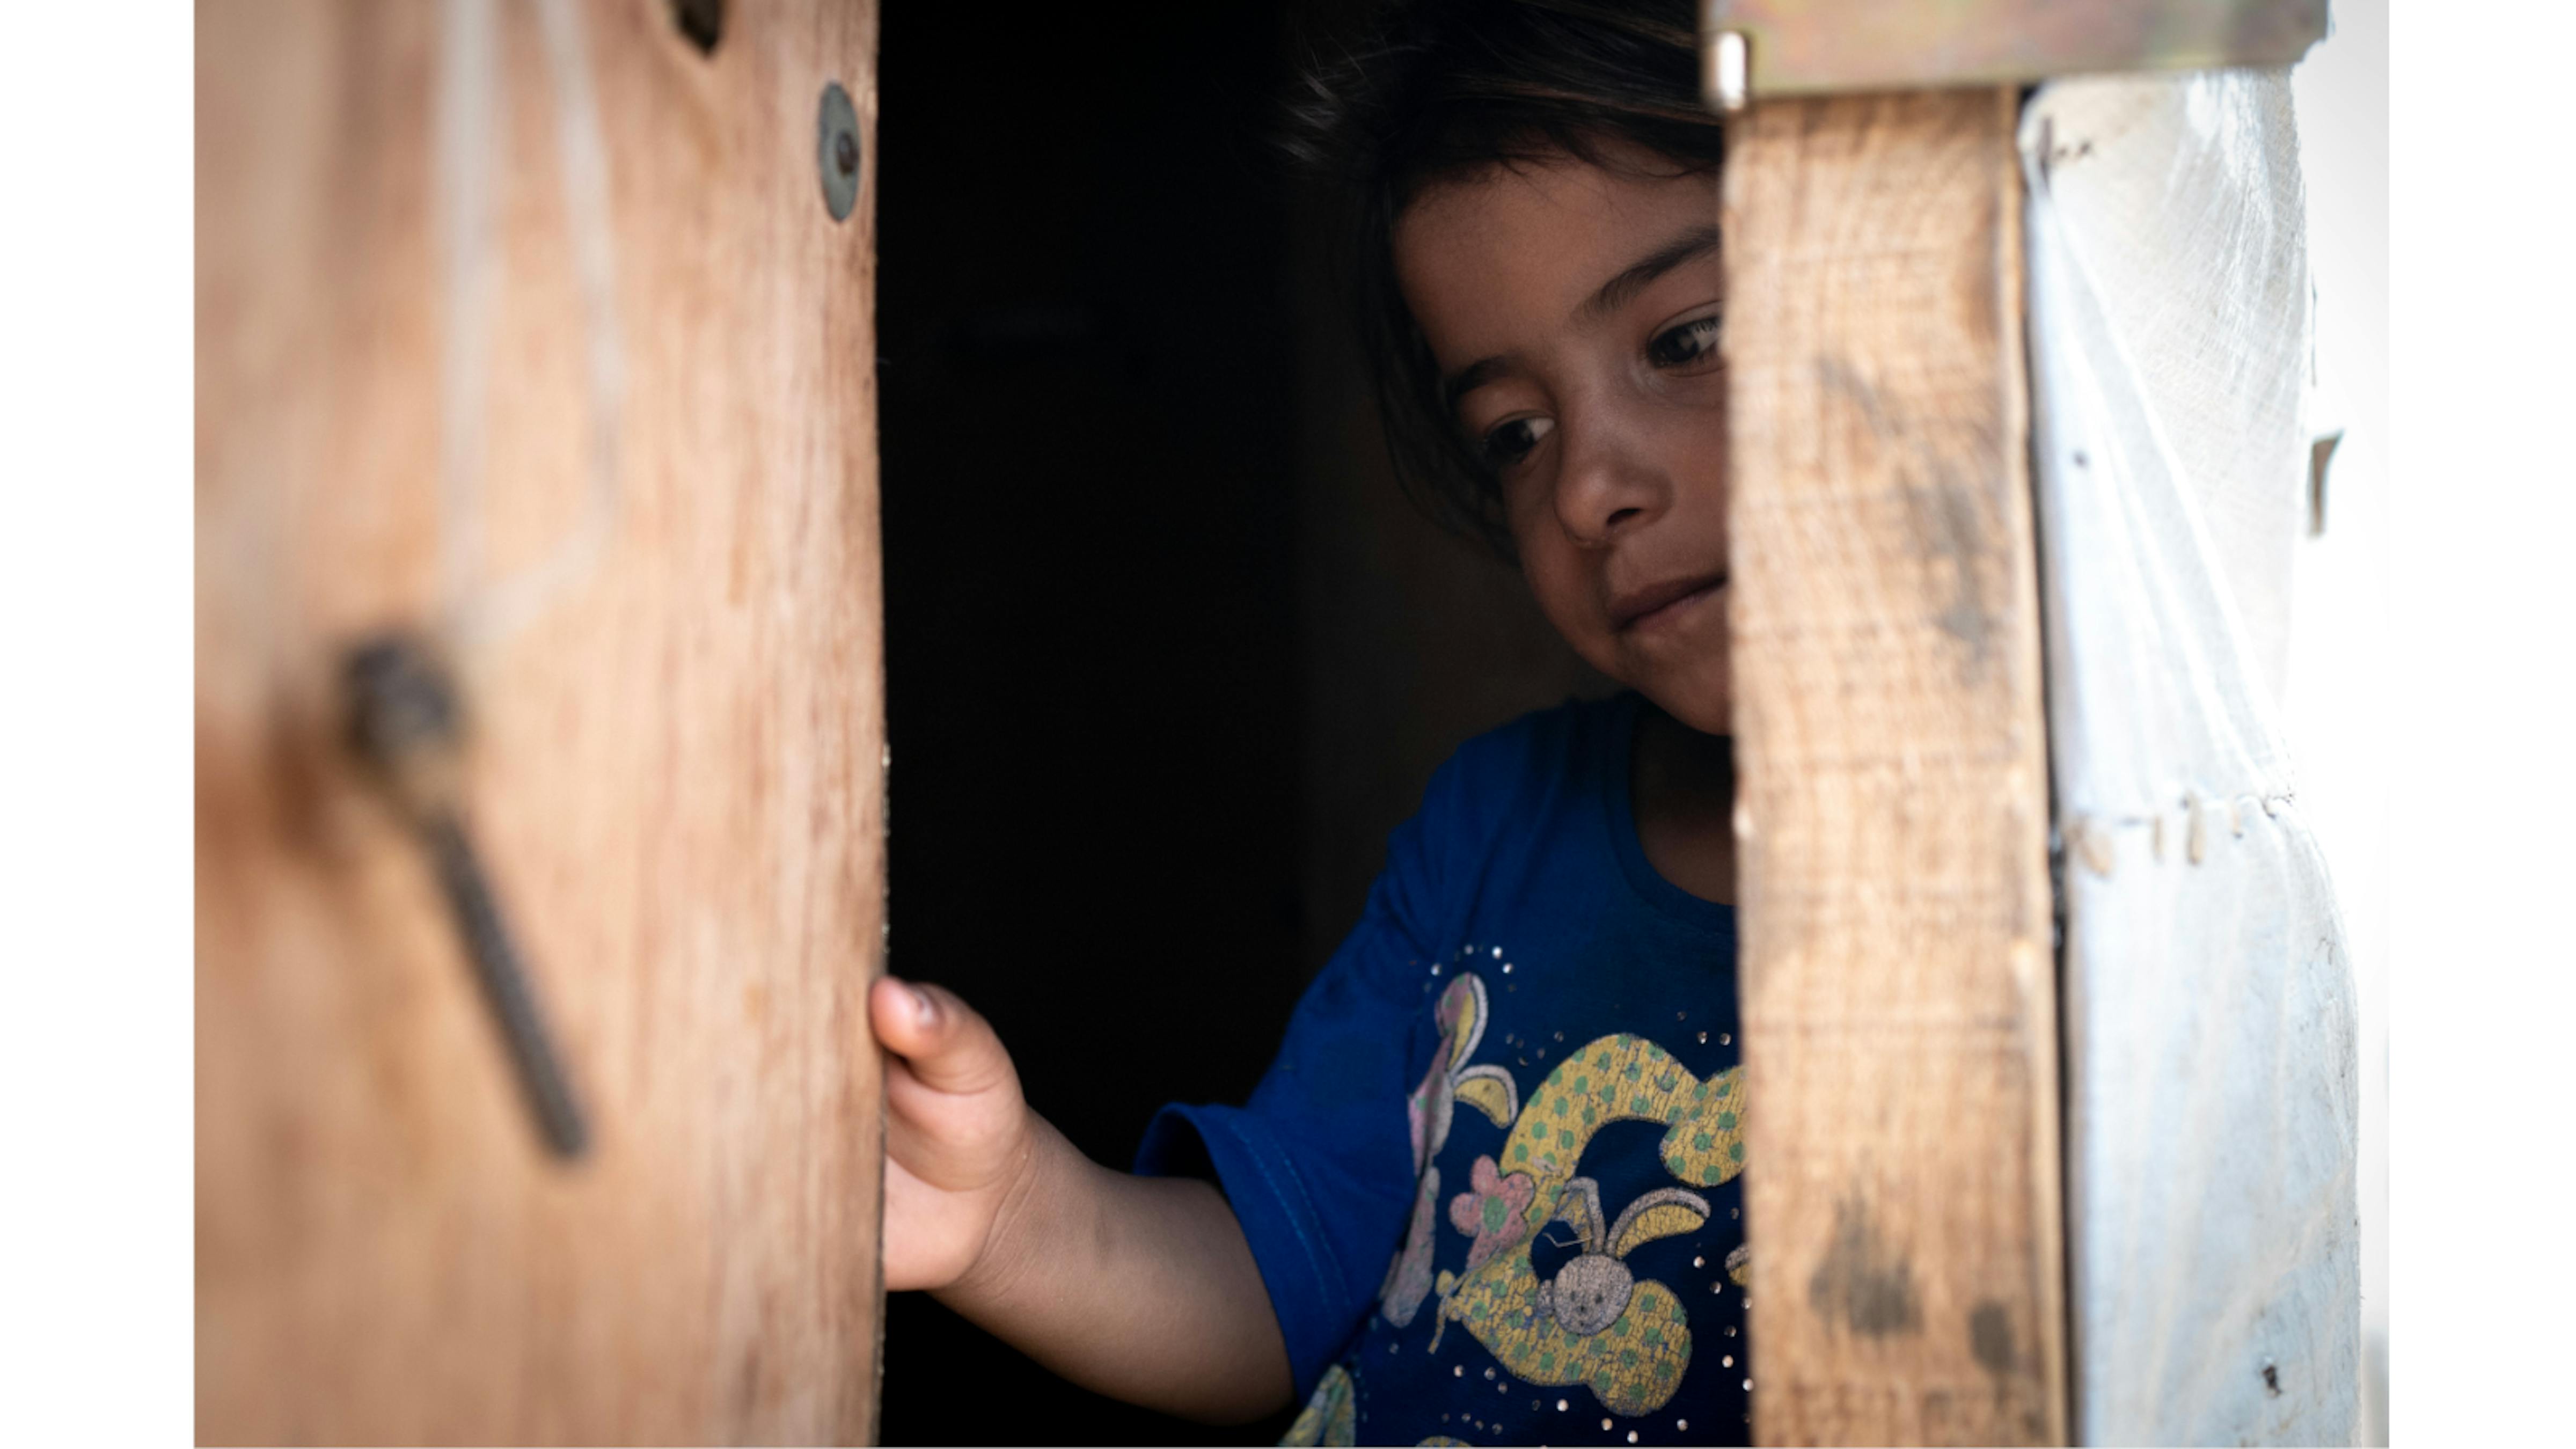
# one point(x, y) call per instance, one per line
point(923, 1007)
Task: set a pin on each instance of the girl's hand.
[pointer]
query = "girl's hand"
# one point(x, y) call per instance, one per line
point(957, 1133)
point(1142, 1288)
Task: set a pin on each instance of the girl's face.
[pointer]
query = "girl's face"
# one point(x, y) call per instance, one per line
point(1574, 312)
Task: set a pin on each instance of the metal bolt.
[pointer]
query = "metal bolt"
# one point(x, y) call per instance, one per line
point(407, 721)
point(836, 151)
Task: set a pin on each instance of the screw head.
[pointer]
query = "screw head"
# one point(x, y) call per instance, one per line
point(836, 151)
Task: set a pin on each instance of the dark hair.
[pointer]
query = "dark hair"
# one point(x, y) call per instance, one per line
point(1445, 87)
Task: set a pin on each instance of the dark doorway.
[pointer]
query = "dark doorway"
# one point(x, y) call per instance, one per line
point(1167, 654)
point(1092, 673)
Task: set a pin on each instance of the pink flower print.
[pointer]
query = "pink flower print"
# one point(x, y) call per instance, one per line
point(1429, 1106)
point(1408, 1278)
point(1461, 1017)
point(1495, 1212)
point(1461, 1011)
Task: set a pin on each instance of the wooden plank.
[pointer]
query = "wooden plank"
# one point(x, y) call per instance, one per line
point(1898, 982)
point(676, 774)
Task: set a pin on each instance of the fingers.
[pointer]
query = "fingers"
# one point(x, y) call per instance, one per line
point(946, 1044)
point(928, 1243)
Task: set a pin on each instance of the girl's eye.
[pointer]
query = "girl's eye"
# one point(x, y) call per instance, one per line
point(1510, 442)
point(1691, 342)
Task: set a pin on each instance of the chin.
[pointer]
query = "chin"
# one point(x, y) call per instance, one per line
point(1702, 705)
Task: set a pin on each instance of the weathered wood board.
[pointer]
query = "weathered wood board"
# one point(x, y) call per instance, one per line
point(1898, 984)
point(449, 259)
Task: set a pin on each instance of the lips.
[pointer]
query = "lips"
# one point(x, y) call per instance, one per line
point(1651, 605)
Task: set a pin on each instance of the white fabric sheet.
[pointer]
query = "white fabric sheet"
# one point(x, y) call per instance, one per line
point(2212, 1088)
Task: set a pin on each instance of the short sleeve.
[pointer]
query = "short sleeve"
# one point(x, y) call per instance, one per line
point(1318, 1166)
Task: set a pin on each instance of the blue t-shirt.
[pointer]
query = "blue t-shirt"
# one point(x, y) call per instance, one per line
point(1491, 1180)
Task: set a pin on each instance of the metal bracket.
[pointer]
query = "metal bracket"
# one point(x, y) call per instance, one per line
point(1818, 47)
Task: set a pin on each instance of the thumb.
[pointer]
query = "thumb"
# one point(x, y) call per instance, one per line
point(947, 1044)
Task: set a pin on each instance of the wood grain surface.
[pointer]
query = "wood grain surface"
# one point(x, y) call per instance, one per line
point(675, 775)
point(1898, 979)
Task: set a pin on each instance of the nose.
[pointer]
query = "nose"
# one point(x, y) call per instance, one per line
point(1606, 485)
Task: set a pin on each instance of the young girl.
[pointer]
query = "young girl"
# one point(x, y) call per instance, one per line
point(1488, 1191)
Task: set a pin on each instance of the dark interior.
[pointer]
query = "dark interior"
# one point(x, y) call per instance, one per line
point(1166, 655)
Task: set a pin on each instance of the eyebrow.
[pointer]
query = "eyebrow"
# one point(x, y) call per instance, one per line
point(1469, 378)
point(1609, 297)
point(1614, 293)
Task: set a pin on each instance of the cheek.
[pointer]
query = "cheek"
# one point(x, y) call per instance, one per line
point(1561, 581)
point(1691, 437)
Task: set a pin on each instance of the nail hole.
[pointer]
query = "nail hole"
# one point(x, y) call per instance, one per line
point(702, 21)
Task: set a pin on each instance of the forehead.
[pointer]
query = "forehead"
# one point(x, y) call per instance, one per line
point(1490, 259)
